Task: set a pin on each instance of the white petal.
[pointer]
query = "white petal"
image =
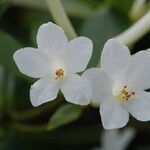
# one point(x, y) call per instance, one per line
point(139, 107)
point(125, 138)
point(44, 90)
point(109, 139)
point(148, 50)
point(116, 139)
point(76, 90)
point(51, 39)
point(113, 115)
point(31, 62)
point(77, 54)
point(100, 82)
point(138, 75)
point(115, 58)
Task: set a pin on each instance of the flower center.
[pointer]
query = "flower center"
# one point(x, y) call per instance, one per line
point(125, 94)
point(59, 73)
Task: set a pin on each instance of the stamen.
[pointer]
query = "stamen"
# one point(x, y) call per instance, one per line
point(125, 94)
point(125, 87)
point(59, 73)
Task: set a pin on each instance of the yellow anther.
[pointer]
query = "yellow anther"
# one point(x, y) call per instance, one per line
point(125, 94)
point(59, 73)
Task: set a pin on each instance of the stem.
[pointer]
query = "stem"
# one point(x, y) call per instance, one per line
point(137, 9)
point(34, 112)
point(1, 88)
point(7, 92)
point(28, 128)
point(136, 31)
point(10, 92)
point(60, 17)
point(4, 92)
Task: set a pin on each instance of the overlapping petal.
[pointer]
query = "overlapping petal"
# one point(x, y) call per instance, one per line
point(113, 115)
point(138, 74)
point(44, 90)
point(139, 107)
point(115, 58)
point(32, 62)
point(76, 90)
point(51, 39)
point(100, 82)
point(77, 54)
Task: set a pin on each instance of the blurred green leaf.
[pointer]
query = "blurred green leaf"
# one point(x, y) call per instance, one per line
point(78, 8)
point(81, 138)
point(91, 3)
point(122, 5)
point(8, 45)
point(73, 7)
point(3, 6)
point(64, 115)
point(100, 27)
point(32, 21)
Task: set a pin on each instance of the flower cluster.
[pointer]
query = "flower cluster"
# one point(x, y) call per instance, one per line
point(118, 85)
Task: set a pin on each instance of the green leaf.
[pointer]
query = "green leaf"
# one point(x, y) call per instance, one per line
point(121, 5)
point(8, 45)
point(103, 25)
point(64, 115)
point(3, 6)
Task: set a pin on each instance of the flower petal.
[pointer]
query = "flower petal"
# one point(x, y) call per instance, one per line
point(31, 62)
point(44, 90)
point(51, 39)
point(77, 54)
point(113, 115)
point(138, 74)
point(114, 58)
point(100, 82)
point(116, 139)
point(139, 107)
point(76, 90)
point(125, 138)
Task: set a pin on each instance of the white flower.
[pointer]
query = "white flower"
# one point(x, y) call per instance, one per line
point(56, 62)
point(120, 83)
point(115, 139)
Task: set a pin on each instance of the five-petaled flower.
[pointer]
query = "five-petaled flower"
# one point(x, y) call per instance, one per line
point(56, 62)
point(120, 83)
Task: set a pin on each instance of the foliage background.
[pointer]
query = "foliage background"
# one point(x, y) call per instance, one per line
point(57, 125)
